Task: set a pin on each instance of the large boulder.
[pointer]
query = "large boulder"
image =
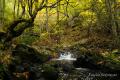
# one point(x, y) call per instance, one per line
point(26, 60)
point(89, 62)
point(28, 54)
point(86, 62)
point(67, 68)
point(50, 73)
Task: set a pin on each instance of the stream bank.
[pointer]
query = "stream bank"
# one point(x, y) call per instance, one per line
point(69, 64)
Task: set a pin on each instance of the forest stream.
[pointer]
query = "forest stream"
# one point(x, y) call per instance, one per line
point(59, 39)
point(67, 71)
point(66, 66)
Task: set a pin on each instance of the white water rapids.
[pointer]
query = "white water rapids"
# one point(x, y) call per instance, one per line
point(66, 56)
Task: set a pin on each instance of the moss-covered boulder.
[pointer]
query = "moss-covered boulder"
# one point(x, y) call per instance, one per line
point(28, 54)
point(85, 62)
point(50, 73)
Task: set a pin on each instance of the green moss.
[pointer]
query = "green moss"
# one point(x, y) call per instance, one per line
point(28, 38)
point(50, 73)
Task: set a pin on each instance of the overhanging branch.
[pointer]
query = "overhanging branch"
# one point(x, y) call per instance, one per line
point(11, 33)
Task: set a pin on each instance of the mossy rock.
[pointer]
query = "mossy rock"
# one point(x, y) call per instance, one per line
point(50, 73)
point(26, 53)
point(4, 75)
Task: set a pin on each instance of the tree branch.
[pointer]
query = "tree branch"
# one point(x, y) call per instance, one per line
point(11, 33)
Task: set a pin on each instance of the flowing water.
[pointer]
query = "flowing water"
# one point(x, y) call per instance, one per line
point(66, 59)
point(66, 56)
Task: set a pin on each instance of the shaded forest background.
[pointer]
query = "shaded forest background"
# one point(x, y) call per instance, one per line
point(57, 20)
point(52, 25)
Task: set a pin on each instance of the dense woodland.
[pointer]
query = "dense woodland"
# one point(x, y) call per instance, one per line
point(32, 32)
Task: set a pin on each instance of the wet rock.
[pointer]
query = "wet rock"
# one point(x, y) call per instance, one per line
point(50, 73)
point(67, 68)
point(86, 62)
point(25, 58)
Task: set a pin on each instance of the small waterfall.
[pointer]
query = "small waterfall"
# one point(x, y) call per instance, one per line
point(66, 56)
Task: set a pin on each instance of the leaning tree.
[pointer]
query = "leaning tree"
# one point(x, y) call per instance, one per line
point(29, 7)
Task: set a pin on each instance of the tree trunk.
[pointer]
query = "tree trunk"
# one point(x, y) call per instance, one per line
point(47, 28)
point(113, 24)
point(18, 8)
point(57, 9)
point(14, 12)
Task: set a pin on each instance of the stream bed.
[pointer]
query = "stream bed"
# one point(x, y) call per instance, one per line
point(67, 71)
